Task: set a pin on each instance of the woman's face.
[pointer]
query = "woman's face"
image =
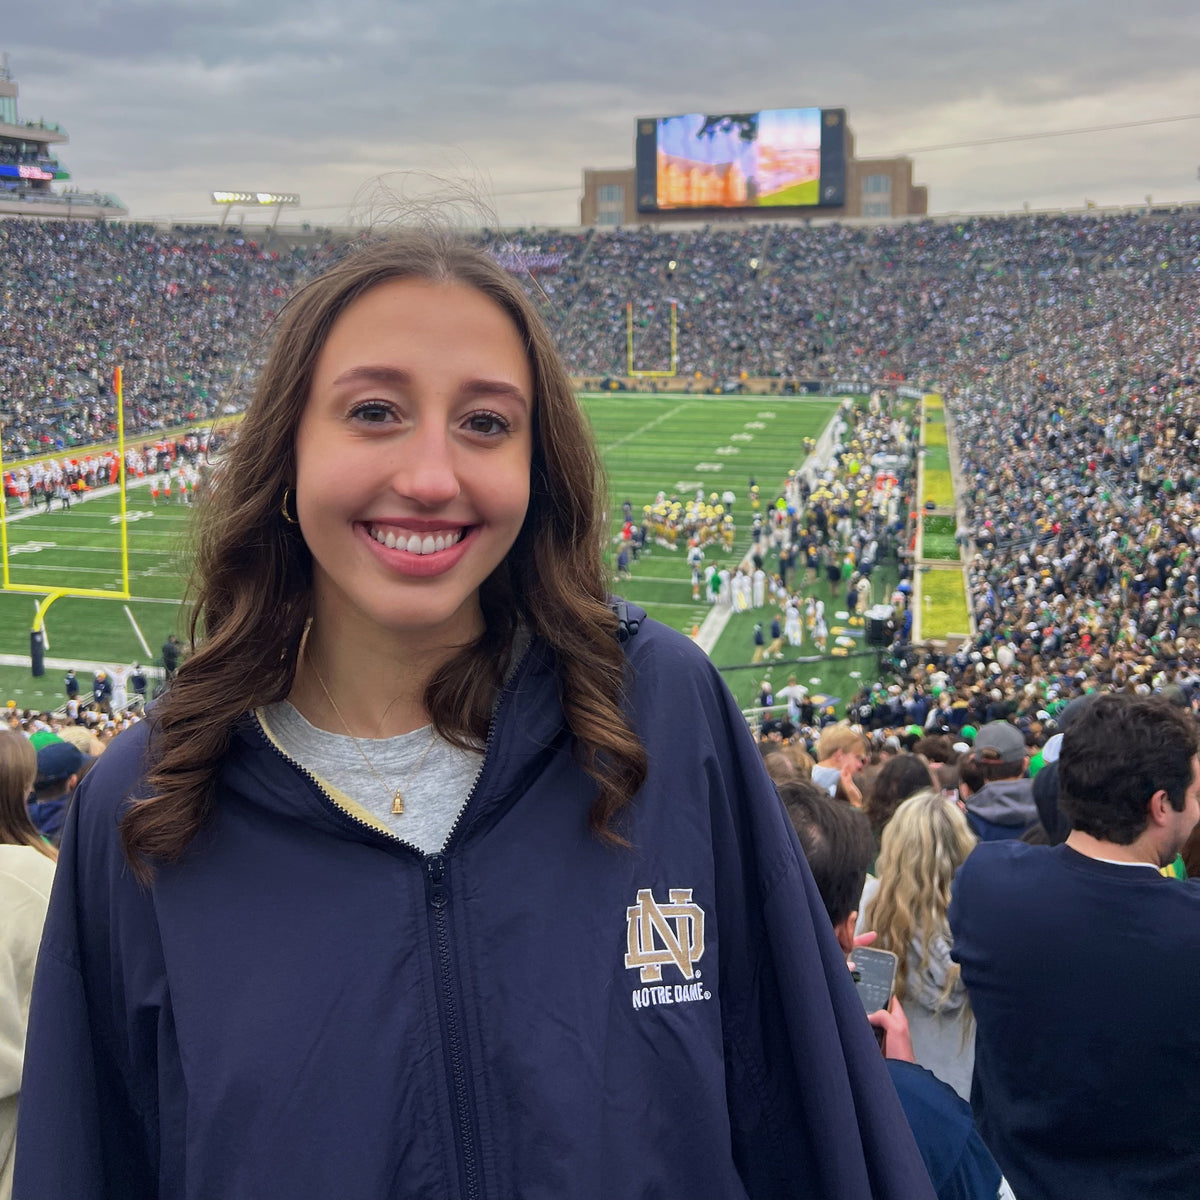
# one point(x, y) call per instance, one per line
point(413, 459)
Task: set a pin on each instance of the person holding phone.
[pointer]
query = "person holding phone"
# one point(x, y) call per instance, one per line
point(837, 843)
point(408, 887)
point(921, 848)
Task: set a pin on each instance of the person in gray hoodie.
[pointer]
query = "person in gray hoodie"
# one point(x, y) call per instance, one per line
point(1004, 806)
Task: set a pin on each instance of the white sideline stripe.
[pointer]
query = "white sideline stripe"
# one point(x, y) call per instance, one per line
point(137, 630)
point(108, 489)
point(78, 664)
point(718, 616)
point(645, 428)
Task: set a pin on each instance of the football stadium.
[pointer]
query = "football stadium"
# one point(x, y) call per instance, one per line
point(457, 678)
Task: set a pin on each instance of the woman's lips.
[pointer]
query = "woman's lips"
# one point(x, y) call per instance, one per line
point(419, 563)
point(414, 541)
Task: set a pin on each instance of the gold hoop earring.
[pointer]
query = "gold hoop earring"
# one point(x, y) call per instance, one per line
point(283, 508)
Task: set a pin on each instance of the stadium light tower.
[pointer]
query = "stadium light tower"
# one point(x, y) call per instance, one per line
point(275, 200)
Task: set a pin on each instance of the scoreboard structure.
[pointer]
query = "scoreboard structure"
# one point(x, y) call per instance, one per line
point(770, 164)
point(775, 158)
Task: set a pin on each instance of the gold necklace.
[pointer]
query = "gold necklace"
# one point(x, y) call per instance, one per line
point(396, 797)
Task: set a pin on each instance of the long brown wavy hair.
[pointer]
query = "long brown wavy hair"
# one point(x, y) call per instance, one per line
point(252, 576)
point(18, 769)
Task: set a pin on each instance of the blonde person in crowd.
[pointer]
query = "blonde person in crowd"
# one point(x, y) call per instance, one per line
point(923, 845)
point(841, 752)
point(26, 873)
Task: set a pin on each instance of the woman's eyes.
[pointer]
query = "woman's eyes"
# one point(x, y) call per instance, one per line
point(489, 423)
point(374, 412)
point(380, 412)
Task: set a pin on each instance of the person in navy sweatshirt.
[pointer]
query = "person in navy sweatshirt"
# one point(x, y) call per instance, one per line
point(1082, 963)
point(408, 885)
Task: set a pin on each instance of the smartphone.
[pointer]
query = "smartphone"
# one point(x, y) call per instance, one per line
point(874, 975)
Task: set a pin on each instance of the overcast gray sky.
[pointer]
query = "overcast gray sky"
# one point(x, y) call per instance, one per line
point(166, 100)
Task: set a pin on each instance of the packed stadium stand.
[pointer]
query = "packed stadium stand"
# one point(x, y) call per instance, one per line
point(1066, 347)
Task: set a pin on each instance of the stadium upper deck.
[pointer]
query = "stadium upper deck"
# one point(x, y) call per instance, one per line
point(29, 167)
point(1103, 306)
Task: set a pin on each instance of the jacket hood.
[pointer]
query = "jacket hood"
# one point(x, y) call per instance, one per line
point(1005, 802)
point(926, 985)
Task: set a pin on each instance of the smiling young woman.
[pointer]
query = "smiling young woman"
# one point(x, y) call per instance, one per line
point(413, 459)
point(408, 886)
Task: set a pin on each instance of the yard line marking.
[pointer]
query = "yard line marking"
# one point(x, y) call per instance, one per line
point(695, 605)
point(645, 428)
point(137, 630)
point(71, 570)
point(682, 580)
point(32, 547)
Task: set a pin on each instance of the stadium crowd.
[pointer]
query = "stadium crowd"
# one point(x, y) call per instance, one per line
point(178, 311)
point(983, 814)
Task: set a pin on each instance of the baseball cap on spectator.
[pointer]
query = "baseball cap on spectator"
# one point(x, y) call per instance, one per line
point(58, 760)
point(1000, 742)
point(43, 737)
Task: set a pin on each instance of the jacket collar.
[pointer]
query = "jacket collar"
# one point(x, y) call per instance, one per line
point(527, 724)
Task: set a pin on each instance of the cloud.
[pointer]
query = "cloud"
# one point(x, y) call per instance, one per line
point(167, 99)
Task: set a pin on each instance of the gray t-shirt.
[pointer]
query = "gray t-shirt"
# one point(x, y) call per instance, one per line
point(434, 777)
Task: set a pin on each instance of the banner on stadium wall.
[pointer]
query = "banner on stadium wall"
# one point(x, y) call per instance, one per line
point(910, 393)
point(841, 388)
point(23, 171)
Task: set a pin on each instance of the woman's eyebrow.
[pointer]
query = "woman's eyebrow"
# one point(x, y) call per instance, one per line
point(375, 374)
point(395, 377)
point(494, 387)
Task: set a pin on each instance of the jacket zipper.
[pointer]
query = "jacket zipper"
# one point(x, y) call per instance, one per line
point(438, 896)
point(438, 891)
point(452, 1038)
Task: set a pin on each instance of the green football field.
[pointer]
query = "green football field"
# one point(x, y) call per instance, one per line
point(651, 443)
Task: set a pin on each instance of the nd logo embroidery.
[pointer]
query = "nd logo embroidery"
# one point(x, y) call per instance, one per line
point(660, 935)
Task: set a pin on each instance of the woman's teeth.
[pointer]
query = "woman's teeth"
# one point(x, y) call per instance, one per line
point(416, 543)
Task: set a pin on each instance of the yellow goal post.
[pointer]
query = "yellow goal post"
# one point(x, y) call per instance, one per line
point(50, 594)
point(629, 367)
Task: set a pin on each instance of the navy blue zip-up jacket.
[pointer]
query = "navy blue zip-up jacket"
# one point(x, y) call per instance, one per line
point(304, 1007)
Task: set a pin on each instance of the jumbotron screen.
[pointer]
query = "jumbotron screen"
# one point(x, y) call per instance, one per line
point(777, 158)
